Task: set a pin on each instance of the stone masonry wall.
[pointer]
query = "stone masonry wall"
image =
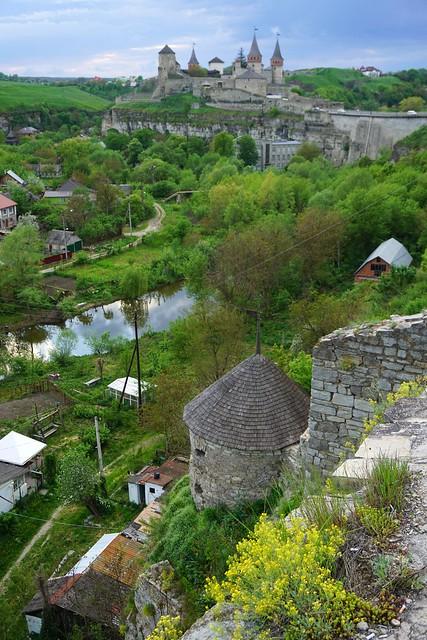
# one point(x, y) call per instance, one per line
point(352, 366)
point(220, 475)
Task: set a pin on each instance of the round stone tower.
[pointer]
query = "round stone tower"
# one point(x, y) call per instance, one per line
point(241, 430)
point(255, 57)
point(277, 62)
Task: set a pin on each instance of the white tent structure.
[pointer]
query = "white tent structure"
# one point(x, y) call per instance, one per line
point(18, 449)
point(131, 391)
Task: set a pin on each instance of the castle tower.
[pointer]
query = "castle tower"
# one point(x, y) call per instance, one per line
point(277, 62)
point(255, 57)
point(242, 429)
point(167, 63)
point(193, 63)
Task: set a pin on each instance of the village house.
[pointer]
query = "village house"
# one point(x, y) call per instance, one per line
point(151, 482)
point(67, 190)
point(97, 588)
point(8, 214)
point(371, 72)
point(10, 177)
point(20, 463)
point(58, 240)
point(387, 255)
point(276, 153)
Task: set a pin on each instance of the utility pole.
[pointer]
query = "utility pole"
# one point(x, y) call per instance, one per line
point(130, 218)
point(65, 238)
point(98, 446)
point(138, 364)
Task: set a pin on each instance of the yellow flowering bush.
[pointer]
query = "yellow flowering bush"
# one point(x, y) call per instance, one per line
point(281, 576)
point(167, 628)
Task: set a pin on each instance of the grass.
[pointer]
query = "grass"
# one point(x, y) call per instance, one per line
point(385, 485)
point(21, 95)
point(24, 529)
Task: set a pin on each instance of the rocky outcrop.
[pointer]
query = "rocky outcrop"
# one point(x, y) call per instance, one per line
point(156, 594)
point(352, 366)
point(222, 622)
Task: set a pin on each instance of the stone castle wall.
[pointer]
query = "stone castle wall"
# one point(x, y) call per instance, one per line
point(352, 366)
point(220, 475)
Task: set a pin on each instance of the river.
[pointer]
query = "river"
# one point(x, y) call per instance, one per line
point(162, 307)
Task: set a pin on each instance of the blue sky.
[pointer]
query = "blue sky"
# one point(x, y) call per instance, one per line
point(122, 37)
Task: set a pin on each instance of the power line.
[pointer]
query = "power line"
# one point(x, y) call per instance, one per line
point(321, 232)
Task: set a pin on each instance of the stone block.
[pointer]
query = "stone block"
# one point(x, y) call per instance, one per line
point(387, 364)
point(325, 410)
point(340, 399)
point(318, 384)
point(371, 348)
point(354, 469)
point(362, 405)
point(316, 394)
point(388, 446)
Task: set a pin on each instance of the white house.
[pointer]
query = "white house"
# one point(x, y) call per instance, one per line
point(7, 213)
point(19, 468)
point(371, 72)
point(116, 387)
point(151, 482)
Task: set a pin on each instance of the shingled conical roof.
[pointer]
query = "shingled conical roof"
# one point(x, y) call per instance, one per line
point(277, 54)
point(193, 60)
point(254, 54)
point(166, 49)
point(253, 407)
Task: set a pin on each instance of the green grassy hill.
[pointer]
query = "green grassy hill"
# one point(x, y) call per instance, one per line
point(352, 87)
point(21, 95)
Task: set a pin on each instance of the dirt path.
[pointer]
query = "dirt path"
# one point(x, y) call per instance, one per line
point(40, 533)
point(24, 407)
point(153, 225)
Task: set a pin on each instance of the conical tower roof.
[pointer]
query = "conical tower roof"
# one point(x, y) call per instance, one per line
point(193, 59)
point(253, 407)
point(254, 54)
point(166, 49)
point(277, 54)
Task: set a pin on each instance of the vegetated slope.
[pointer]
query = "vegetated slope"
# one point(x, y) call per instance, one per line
point(21, 95)
point(353, 88)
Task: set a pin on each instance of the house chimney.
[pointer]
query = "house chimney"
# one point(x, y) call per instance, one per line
point(156, 475)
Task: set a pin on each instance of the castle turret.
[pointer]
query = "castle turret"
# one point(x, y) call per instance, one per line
point(216, 64)
point(193, 63)
point(277, 62)
point(255, 57)
point(167, 63)
point(242, 430)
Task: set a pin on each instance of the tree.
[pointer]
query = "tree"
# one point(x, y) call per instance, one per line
point(78, 480)
point(318, 236)
point(413, 103)
point(100, 344)
point(64, 345)
point(211, 338)
point(242, 58)
point(223, 143)
point(248, 151)
point(20, 257)
point(308, 151)
point(164, 415)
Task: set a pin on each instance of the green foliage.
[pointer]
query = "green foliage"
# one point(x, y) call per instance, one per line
point(379, 523)
point(385, 485)
point(248, 151)
point(198, 543)
point(298, 366)
point(77, 479)
point(223, 143)
point(65, 344)
point(20, 256)
point(281, 577)
point(50, 467)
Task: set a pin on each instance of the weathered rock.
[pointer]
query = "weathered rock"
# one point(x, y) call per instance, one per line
point(221, 623)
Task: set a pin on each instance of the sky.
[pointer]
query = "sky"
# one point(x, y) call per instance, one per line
point(122, 37)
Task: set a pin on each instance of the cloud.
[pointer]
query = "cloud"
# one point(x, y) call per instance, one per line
point(41, 37)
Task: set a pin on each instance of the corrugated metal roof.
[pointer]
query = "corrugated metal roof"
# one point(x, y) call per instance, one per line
point(91, 555)
point(15, 176)
point(391, 251)
point(120, 560)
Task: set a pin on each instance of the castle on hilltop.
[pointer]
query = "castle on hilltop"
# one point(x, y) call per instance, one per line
point(246, 80)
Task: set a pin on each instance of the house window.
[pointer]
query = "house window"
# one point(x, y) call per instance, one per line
point(378, 269)
point(152, 490)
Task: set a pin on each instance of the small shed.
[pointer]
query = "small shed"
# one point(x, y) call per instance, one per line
point(151, 482)
point(58, 239)
point(19, 468)
point(116, 387)
point(387, 255)
point(10, 176)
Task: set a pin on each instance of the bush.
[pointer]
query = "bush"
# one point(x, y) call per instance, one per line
point(379, 523)
point(7, 523)
point(385, 485)
point(282, 576)
point(88, 436)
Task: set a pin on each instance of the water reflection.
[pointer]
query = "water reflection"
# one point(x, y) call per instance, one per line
point(160, 309)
